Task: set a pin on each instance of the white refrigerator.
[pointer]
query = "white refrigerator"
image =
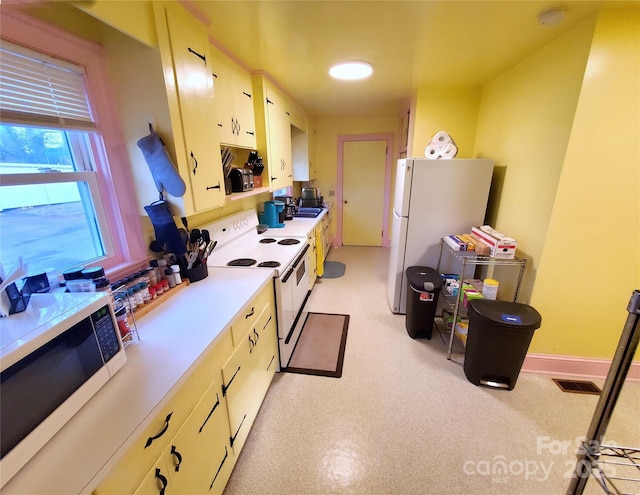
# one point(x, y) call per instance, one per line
point(433, 199)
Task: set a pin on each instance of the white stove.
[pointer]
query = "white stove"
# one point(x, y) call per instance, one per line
point(240, 247)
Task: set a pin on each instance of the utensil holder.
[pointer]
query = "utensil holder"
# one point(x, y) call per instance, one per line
point(197, 273)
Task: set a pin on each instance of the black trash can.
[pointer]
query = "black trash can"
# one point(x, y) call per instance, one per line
point(497, 342)
point(423, 289)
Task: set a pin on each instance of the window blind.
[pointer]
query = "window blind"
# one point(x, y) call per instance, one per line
point(37, 90)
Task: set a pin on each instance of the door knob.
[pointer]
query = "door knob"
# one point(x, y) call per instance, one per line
point(345, 201)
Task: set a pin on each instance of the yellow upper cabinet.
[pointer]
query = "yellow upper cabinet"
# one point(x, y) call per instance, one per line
point(301, 144)
point(234, 102)
point(273, 127)
point(186, 62)
point(132, 18)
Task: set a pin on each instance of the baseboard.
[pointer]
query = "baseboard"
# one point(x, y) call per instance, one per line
point(574, 366)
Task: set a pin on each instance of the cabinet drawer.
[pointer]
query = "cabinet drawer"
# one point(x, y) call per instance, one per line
point(245, 322)
point(156, 480)
point(155, 438)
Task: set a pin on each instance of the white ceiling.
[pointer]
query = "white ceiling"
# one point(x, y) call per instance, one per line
point(446, 43)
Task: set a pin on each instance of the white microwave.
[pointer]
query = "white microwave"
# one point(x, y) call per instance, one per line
point(54, 357)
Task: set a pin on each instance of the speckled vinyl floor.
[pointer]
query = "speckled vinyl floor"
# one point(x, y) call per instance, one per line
point(405, 420)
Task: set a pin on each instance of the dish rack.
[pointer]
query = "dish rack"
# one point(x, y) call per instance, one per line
point(616, 469)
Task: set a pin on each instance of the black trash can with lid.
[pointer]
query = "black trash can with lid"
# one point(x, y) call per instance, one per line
point(423, 289)
point(497, 342)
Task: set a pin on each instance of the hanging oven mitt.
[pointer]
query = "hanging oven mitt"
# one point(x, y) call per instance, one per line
point(165, 228)
point(164, 172)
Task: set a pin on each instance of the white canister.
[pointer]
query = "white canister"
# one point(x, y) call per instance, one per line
point(490, 288)
point(176, 274)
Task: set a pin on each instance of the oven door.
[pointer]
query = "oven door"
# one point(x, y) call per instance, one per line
point(294, 288)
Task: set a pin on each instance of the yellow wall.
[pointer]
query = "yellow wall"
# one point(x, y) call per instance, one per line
point(454, 110)
point(524, 123)
point(591, 262)
point(327, 132)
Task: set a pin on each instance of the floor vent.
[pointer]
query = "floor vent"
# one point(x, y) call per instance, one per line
point(577, 386)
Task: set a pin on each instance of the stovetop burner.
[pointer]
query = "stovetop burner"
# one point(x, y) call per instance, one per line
point(242, 262)
point(267, 240)
point(289, 242)
point(269, 264)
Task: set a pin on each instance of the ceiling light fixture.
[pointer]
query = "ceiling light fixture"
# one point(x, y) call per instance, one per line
point(551, 17)
point(351, 71)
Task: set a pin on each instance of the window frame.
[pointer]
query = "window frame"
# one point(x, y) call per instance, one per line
point(113, 177)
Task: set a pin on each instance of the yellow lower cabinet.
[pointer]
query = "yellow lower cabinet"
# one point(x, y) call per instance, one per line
point(197, 453)
point(247, 374)
point(157, 481)
point(246, 321)
point(129, 471)
point(198, 459)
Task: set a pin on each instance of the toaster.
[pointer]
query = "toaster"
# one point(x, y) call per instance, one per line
point(241, 179)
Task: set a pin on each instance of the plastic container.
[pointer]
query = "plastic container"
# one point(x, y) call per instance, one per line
point(176, 274)
point(490, 288)
point(423, 289)
point(497, 341)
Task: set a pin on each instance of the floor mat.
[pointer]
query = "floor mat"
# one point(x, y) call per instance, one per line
point(333, 269)
point(320, 348)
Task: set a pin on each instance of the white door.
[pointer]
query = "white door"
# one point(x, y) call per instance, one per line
point(363, 189)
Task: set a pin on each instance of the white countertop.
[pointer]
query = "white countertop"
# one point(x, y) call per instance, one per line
point(298, 226)
point(172, 338)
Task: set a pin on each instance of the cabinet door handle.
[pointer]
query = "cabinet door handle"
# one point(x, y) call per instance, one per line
point(233, 438)
point(162, 432)
point(224, 459)
point(199, 55)
point(269, 101)
point(268, 321)
point(257, 335)
point(215, 406)
point(246, 94)
point(214, 187)
point(162, 481)
point(253, 344)
point(178, 457)
point(273, 178)
point(270, 362)
point(250, 313)
point(195, 163)
point(226, 387)
point(250, 133)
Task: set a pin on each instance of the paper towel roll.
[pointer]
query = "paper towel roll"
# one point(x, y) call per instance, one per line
point(450, 151)
point(441, 138)
point(432, 151)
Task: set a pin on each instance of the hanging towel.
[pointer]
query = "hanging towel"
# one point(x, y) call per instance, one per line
point(319, 254)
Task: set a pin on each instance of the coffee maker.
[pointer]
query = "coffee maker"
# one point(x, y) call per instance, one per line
point(273, 214)
point(289, 206)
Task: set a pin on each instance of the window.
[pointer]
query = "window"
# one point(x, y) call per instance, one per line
point(59, 205)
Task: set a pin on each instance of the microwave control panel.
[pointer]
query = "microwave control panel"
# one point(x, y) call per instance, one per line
point(106, 333)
